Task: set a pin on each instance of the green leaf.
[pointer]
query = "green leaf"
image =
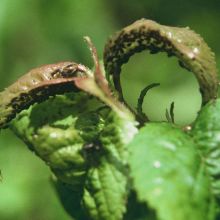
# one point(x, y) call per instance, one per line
point(169, 175)
point(106, 186)
point(206, 134)
point(52, 135)
point(84, 144)
point(107, 178)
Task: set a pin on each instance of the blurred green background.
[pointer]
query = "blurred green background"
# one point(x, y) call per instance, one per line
point(37, 32)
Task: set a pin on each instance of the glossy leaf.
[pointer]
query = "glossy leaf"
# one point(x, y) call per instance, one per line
point(206, 134)
point(168, 174)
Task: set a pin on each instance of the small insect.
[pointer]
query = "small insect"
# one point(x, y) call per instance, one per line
point(191, 50)
point(36, 86)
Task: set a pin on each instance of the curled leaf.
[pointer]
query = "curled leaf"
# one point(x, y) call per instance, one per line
point(191, 50)
point(36, 86)
point(98, 86)
point(40, 83)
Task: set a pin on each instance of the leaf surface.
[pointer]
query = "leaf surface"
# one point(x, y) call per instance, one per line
point(206, 134)
point(169, 175)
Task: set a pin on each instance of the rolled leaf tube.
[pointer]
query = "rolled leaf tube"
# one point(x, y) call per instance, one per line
point(36, 86)
point(191, 50)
